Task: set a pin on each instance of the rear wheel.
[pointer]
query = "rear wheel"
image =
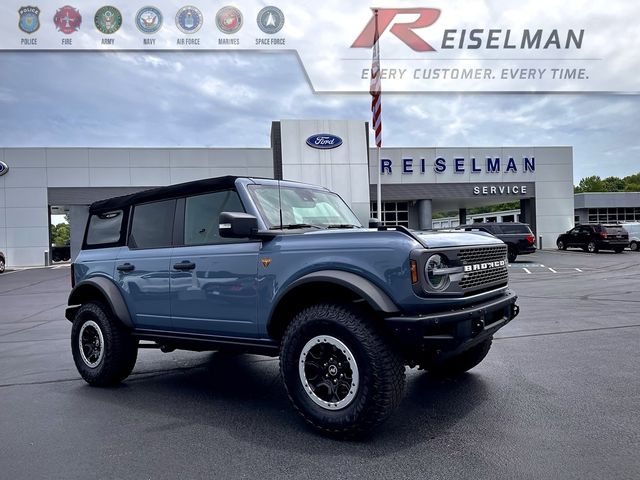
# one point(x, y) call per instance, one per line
point(340, 373)
point(633, 246)
point(2, 265)
point(561, 246)
point(103, 351)
point(592, 247)
point(460, 363)
point(618, 249)
point(512, 254)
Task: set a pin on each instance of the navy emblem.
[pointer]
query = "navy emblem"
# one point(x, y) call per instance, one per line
point(189, 19)
point(229, 20)
point(149, 20)
point(4, 168)
point(108, 20)
point(270, 20)
point(324, 141)
point(29, 19)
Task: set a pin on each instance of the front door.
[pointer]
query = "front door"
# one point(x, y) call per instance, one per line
point(213, 279)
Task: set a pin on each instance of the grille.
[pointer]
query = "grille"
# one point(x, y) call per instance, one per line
point(482, 254)
point(483, 277)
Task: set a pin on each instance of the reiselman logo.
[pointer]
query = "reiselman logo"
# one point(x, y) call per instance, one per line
point(465, 39)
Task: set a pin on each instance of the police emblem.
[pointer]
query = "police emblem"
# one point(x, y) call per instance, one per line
point(108, 20)
point(270, 20)
point(29, 19)
point(229, 20)
point(149, 20)
point(189, 19)
point(67, 19)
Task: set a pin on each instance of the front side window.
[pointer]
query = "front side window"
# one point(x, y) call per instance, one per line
point(105, 228)
point(152, 225)
point(202, 214)
point(302, 206)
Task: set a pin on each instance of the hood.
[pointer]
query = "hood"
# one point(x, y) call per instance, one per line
point(433, 239)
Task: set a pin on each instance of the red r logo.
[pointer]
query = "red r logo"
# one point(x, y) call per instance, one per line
point(404, 31)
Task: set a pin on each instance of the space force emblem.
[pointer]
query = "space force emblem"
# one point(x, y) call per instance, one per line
point(29, 19)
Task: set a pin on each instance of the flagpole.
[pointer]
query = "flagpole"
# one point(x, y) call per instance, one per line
point(379, 185)
point(378, 143)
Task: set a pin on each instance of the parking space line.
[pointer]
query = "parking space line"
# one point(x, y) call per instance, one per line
point(552, 270)
point(526, 270)
point(577, 269)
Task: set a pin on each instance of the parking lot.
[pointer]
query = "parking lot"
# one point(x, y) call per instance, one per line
point(557, 397)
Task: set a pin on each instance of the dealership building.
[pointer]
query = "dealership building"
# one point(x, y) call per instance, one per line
point(416, 182)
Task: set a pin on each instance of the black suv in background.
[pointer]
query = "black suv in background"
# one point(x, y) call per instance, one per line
point(518, 236)
point(592, 238)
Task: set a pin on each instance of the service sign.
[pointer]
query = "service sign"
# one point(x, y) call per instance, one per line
point(425, 46)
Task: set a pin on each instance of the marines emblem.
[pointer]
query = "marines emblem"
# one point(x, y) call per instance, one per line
point(67, 19)
point(189, 19)
point(108, 20)
point(229, 20)
point(149, 20)
point(29, 19)
point(270, 20)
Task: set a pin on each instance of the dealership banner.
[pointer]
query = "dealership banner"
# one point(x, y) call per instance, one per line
point(425, 46)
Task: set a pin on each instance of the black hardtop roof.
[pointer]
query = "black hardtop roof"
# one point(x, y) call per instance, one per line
point(160, 193)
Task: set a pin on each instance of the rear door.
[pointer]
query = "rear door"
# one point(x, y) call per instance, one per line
point(213, 279)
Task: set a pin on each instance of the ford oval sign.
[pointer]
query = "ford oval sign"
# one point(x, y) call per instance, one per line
point(4, 168)
point(324, 141)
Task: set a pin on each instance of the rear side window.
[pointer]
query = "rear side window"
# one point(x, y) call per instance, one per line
point(613, 229)
point(514, 228)
point(105, 228)
point(202, 213)
point(152, 225)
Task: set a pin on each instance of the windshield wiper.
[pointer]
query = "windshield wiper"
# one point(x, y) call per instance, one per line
point(292, 226)
point(342, 225)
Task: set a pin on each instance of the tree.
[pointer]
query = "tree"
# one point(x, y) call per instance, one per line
point(60, 234)
point(630, 183)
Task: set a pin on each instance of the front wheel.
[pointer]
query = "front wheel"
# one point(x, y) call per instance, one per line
point(633, 246)
point(592, 247)
point(561, 245)
point(340, 373)
point(512, 254)
point(460, 363)
point(103, 351)
point(2, 265)
point(618, 250)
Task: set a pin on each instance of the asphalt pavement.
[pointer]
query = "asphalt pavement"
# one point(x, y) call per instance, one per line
point(558, 397)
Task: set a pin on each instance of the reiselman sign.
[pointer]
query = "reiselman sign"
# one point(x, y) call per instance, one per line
point(460, 165)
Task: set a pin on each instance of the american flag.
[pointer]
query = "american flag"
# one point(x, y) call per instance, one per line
point(376, 87)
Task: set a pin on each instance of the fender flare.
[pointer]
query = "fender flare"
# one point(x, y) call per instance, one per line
point(372, 294)
point(108, 290)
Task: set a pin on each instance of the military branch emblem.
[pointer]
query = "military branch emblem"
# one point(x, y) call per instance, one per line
point(29, 19)
point(189, 19)
point(229, 20)
point(108, 20)
point(270, 20)
point(67, 19)
point(149, 20)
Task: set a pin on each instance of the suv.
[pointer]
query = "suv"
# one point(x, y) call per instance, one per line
point(518, 236)
point(592, 238)
point(3, 263)
point(634, 235)
point(284, 269)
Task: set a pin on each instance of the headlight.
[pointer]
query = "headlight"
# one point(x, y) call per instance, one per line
point(437, 272)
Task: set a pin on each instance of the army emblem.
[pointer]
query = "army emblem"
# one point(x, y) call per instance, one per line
point(229, 20)
point(270, 20)
point(67, 19)
point(29, 19)
point(149, 20)
point(189, 19)
point(108, 20)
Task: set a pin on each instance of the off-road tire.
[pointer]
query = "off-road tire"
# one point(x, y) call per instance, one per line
point(592, 247)
point(381, 369)
point(561, 245)
point(460, 363)
point(120, 348)
point(633, 246)
point(512, 254)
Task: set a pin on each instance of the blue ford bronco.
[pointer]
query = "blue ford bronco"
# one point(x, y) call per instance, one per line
point(284, 269)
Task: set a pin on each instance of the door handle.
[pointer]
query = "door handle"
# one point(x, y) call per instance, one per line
point(126, 267)
point(186, 265)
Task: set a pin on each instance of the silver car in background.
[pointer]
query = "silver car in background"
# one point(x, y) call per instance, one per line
point(634, 235)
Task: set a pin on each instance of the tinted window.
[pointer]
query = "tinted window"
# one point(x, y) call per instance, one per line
point(104, 228)
point(613, 229)
point(514, 228)
point(152, 225)
point(202, 213)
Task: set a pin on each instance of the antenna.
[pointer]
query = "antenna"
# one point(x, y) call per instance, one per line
point(280, 204)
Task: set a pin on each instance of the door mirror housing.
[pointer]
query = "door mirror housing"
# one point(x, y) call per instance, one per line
point(237, 225)
point(374, 223)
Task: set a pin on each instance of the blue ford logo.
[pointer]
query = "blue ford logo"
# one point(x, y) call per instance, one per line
point(324, 141)
point(4, 168)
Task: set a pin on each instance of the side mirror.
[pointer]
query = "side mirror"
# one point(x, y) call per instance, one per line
point(374, 223)
point(237, 225)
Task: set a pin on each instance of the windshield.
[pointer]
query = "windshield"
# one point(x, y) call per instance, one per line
point(302, 206)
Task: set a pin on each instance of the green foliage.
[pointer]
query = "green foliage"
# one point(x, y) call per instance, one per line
point(60, 234)
point(594, 183)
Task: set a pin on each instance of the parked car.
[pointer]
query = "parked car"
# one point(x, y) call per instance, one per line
point(284, 269)
point(633, 229)
point(518, 236)
point(61, 254)
point(594, 237)
point(3, 262)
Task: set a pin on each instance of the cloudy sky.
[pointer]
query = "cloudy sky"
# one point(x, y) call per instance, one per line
point(228, 99)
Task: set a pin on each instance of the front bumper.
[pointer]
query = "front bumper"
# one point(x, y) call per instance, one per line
point(452, 332)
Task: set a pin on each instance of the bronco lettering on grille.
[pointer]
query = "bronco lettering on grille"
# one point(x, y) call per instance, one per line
point(484, 266)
